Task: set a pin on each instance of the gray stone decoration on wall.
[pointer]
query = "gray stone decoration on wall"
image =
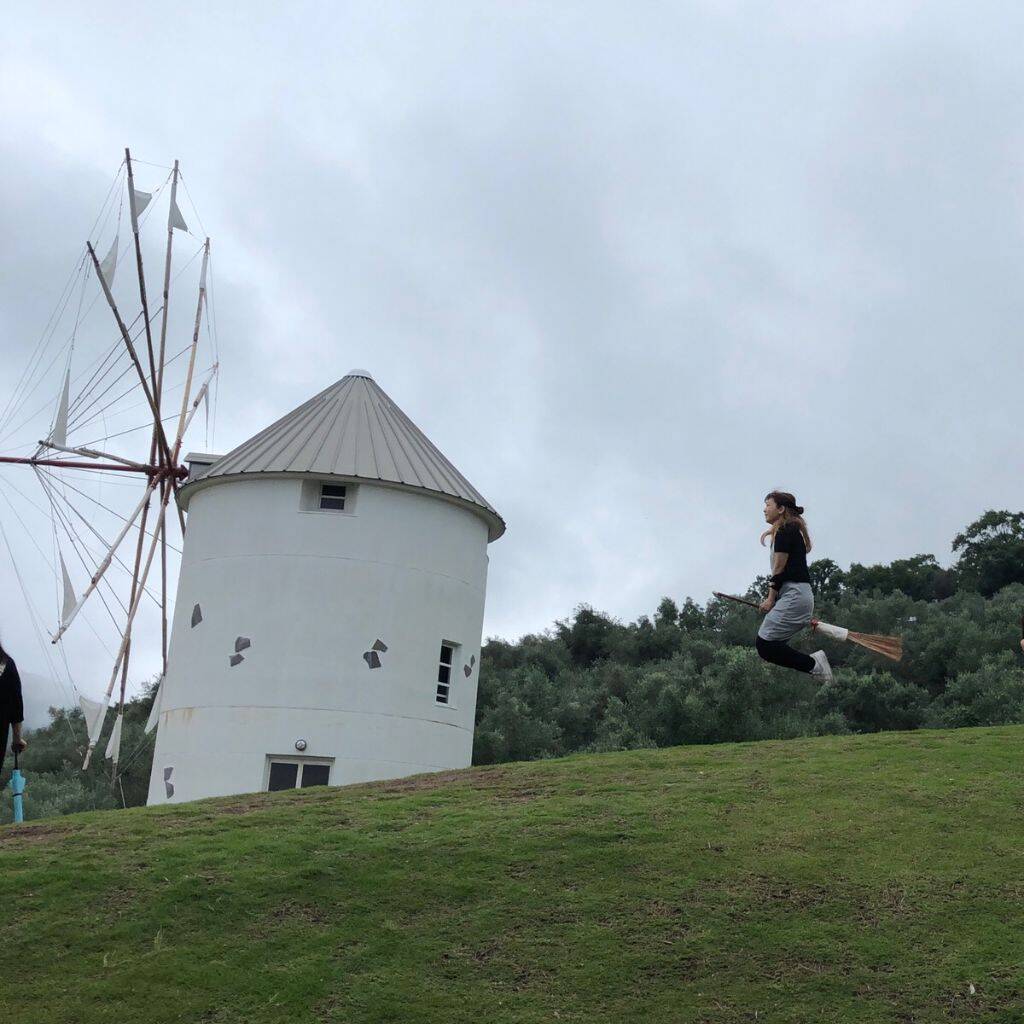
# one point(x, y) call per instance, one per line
point(168, 773)
point(468, 669)
point(372, 656)
point(197, 616)
point(242, 643)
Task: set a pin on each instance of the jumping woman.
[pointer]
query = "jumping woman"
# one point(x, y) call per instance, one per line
point(789, 605)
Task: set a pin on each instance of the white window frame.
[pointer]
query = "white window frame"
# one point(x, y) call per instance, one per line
point(311, 495)
point(456, 661)
point(301, 762)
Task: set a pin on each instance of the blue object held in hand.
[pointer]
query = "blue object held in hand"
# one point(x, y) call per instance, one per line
point(17, 788)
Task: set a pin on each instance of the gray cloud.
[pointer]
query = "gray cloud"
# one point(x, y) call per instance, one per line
point(628, 269)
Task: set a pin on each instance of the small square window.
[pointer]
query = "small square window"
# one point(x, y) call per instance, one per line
point(332, 497)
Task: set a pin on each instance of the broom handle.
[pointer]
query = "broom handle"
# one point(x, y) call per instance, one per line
point(738, 600)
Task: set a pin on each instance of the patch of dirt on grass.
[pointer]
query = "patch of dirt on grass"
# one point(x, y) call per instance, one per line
point(777, 890)
point(685, 967)
point(658, 908)
point(875, 905)
point(412, 816)
point(522, 869)
point(960, 1005)
point(502, 974)
point(487, 778)
point(435, 780)
point(241, 805)
point(119, 901)
point(481, 956)
point(255, 802)
point(528, 977)
point(14, 834)
point(330, 1009)
point(522, 795)
point(308, 915)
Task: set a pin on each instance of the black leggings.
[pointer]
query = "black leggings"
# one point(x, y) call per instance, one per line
point(778, 652)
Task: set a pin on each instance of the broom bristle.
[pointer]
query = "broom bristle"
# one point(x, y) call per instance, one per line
point(887, 646)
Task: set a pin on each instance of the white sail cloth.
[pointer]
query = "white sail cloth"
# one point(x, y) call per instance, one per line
point(69, 592)
point(109, 264)
point(142, 200)
point(59, 434)
point(114, 743)
point(94, 713)
point(175, 219)
point(154, 713)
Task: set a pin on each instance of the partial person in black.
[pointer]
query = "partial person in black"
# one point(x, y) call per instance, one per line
point(12, 710)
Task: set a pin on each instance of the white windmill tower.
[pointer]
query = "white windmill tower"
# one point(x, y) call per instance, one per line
point(330, 606)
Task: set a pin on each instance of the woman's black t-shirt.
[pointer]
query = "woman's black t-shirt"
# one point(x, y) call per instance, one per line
point(790, 540)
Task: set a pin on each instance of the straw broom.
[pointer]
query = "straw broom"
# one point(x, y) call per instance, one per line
point(888, 646)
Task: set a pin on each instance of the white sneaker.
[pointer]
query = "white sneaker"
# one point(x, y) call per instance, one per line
point(822, 669)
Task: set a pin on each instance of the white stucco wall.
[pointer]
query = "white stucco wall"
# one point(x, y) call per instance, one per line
point(312, 591)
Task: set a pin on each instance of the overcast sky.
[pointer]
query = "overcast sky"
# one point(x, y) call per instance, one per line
point(629, 266)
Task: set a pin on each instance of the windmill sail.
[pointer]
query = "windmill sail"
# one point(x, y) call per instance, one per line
point(175, 219)
point(110, 263)
point(59, 434)
point(142, 200)
point(154, 714)
point(94, 713)
point(69, 592)
point(119, 475)
point(114, 743)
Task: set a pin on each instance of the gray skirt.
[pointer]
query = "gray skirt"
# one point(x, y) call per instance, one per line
point(792, 612)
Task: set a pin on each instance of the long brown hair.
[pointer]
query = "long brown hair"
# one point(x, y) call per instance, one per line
point(791, 513)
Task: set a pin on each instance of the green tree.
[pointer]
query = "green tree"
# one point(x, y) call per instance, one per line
point(876, 701)
point(691, 616)
point(586, 635)
point(991, 552)
point(993, 694)
point(919, 577)
point(617, 732)
point(826, 579)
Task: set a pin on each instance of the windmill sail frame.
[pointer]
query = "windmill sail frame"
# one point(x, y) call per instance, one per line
point(160, 467)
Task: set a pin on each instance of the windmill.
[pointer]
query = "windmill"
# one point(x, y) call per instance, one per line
point(117, 546)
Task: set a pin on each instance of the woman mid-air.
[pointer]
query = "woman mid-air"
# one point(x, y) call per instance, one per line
point(789, 605)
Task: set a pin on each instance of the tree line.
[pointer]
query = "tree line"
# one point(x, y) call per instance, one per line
point(688, 674)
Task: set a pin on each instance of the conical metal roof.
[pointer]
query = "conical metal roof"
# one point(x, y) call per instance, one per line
point(352, 430)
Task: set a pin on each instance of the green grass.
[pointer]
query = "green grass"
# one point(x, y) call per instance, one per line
point(863, 879)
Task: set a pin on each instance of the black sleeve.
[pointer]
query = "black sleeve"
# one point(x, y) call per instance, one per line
point(786, 539)
point(13, 706)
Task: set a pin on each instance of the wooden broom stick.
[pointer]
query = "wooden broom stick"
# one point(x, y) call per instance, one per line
point(888, 646)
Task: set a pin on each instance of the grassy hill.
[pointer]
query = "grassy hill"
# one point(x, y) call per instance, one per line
point(872, 878)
